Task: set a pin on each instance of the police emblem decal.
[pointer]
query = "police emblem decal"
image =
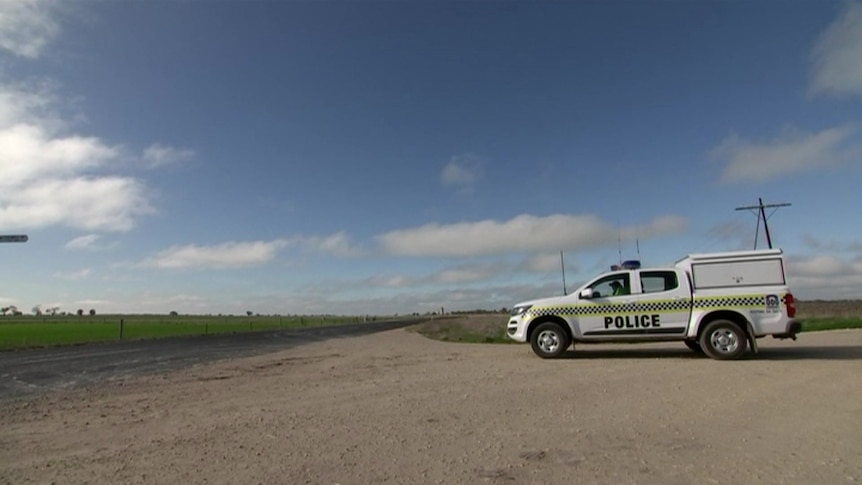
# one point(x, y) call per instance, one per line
point(772, 301)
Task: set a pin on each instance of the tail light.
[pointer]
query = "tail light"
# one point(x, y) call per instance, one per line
point(791, 305)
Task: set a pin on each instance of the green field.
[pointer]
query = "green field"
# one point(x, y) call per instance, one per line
point(21, 332)
point(837, 323)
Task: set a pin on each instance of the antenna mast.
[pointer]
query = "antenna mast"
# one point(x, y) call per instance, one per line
point(563, 268)
point(620, 246)
point(761, 215)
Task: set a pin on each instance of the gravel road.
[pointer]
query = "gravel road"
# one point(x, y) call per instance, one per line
point(395, 407)
point(39, 370)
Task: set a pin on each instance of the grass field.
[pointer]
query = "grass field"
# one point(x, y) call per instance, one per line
point(20, 332)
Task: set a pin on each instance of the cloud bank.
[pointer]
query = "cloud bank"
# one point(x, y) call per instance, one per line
point(524, 233)
point(836, 68)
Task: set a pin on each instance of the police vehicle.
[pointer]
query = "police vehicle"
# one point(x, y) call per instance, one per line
point(717, 304)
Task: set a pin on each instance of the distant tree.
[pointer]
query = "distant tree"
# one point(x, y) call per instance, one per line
point(249, 313)
point(80, 312)
point(37, 310)
point(4, 310)
point(173, 313)
point(92, 312)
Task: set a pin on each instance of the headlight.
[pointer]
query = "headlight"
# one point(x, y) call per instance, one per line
point(520, 310)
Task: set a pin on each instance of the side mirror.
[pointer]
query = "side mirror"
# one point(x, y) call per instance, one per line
point(586, 293)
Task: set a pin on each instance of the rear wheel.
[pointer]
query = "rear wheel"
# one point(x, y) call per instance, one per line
point(694, 346)
point(723, 340)
point(549, 340)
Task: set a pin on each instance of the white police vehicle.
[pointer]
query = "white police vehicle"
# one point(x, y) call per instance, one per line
point(717, 304)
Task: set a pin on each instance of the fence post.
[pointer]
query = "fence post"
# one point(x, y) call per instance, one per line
point(121, 329)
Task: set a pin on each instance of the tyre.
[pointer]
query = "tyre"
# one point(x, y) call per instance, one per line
point(723, 340)
point(694, 346)
point(550, 340)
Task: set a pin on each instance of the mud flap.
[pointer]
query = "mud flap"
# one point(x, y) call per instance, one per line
point(752, 341)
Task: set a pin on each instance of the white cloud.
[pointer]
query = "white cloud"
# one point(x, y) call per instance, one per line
point(545, 263)
point(816, 243)
point(83, 242)
point(92, 303)
point(524, 233)
point(27, 26)
point(74, 275)
point(28, 153)
point(822, 265)
point(105, 203)
point(733, 234)
point(30, 105)
point(836, 67)
point(825, 277)
point(158, 155)
point(48, 178)
point(468, 273)
point(225, 255)
point(385, 281)
point(791, 152)
point(337, 244)
point(462, 171)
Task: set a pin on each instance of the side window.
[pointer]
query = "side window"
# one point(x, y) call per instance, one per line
point(610, 286)
point(658, 281)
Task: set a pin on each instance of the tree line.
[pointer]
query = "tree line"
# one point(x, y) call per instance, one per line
point(37, 310)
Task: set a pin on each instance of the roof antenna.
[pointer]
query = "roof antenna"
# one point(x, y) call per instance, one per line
point(563, 268)
point(620, 245)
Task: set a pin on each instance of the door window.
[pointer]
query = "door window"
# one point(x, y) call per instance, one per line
point(610, 286)
point(658, 281)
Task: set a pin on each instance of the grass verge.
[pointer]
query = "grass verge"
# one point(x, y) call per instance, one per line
point(484, 329)
point(818, 324)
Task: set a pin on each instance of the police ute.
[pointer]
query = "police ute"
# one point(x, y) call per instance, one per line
point(717, 304)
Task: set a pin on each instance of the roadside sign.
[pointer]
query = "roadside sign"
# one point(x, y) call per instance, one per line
point(14, 238)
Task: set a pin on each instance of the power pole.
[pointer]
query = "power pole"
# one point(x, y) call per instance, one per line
point(761, 215)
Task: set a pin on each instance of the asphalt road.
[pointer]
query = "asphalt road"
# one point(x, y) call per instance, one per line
point(31, 371)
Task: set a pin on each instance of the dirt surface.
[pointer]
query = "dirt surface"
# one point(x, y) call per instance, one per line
point(396, 407)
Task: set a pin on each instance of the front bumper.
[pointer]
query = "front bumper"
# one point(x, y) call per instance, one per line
point(517, 329)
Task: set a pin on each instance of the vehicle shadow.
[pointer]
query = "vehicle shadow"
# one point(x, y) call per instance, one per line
point(585, 352)
point(824, 352)
point(827, 352)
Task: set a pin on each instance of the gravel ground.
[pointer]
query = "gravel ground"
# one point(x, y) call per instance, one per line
point(395, 407)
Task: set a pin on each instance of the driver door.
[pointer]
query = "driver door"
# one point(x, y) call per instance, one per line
point(604, 304)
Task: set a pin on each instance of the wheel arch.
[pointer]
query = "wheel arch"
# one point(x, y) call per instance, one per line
point(731, 315)
point(549, 318)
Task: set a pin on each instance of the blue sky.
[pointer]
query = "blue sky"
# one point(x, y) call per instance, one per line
point(397, 157)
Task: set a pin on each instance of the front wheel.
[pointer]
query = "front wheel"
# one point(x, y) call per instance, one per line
point(723, 340)
point(549, 340)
